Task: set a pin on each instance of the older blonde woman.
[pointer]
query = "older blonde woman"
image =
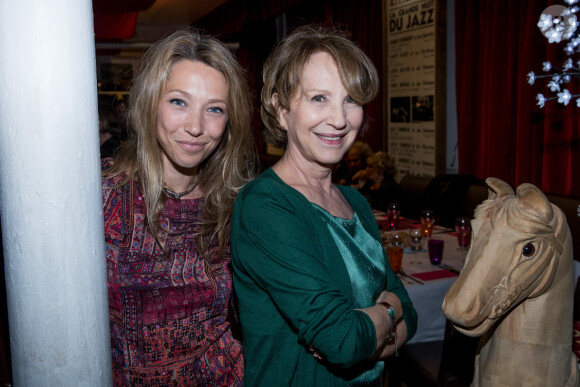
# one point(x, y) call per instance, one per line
point(319, 303)
point(168, 197)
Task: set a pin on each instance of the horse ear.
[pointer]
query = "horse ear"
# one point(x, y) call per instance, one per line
point(498, 188)
point(533, 200)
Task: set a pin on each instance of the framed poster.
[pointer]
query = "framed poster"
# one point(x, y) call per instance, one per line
point(414, 85)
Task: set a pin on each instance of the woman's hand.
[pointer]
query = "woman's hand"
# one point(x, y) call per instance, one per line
point(315, 353)
point(387, 344)
point(392, 299)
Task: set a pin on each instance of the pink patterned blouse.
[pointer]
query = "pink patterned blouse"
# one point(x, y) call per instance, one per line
point(167, 308)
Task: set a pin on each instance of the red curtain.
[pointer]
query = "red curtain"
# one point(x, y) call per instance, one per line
point(115, 26)
point(501, 130)
point(116, 20)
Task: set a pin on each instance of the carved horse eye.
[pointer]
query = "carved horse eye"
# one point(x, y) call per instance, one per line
point(528, 250)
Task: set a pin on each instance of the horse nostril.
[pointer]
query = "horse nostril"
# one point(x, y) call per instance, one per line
point(528, 250)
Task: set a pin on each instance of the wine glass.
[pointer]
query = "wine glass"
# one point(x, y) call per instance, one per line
point(397, 239)
point(415, 236)
point(393, 212)
point(427, 222)
point(463, 229)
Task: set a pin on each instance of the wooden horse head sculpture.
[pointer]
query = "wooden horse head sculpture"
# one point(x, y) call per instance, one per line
point(516, 290)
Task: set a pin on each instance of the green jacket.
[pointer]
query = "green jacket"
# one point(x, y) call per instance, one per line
point(293, 290)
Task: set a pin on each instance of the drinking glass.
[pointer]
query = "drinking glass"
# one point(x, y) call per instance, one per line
point(415, 236)
point(463, 229)
point(395, 251)
point(393, 212)
point(435, 247)
point(395, 255)
point(427, 222)
point(398, 238)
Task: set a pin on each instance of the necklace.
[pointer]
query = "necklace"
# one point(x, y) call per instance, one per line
point(178, 195)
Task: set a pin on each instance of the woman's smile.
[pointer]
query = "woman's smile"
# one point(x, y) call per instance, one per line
point(192, 147)
point(331, 139)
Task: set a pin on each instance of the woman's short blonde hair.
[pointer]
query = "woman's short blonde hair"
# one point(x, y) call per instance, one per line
point(283, 69)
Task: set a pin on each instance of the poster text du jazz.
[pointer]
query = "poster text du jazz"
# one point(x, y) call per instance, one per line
point(411, 20)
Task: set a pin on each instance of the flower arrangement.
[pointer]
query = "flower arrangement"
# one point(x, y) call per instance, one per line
point(559, 23)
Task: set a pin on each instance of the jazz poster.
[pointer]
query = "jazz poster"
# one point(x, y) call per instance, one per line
point(411, 84)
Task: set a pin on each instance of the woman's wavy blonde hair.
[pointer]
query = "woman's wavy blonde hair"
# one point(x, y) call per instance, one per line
point(283, 69)
point(230, 165)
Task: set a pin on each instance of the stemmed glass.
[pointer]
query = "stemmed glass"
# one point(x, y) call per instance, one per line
point(463, 229)
point(398, 239)
point(415, 236)
point(427, 222)
point(393, 212)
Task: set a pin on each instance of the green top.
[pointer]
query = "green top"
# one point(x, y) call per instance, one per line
point(363, 257)
point(294, 290)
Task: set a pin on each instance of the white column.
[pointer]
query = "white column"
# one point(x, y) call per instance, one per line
point(50, 195)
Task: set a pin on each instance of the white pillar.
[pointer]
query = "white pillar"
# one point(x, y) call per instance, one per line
point(50, 195)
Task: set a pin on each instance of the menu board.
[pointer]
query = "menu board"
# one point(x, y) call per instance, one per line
point(411, 74)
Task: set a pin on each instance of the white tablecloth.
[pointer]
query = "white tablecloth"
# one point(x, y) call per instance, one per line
point(428, 296)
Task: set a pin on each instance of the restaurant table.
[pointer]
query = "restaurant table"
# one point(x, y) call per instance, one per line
point(427, 284)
